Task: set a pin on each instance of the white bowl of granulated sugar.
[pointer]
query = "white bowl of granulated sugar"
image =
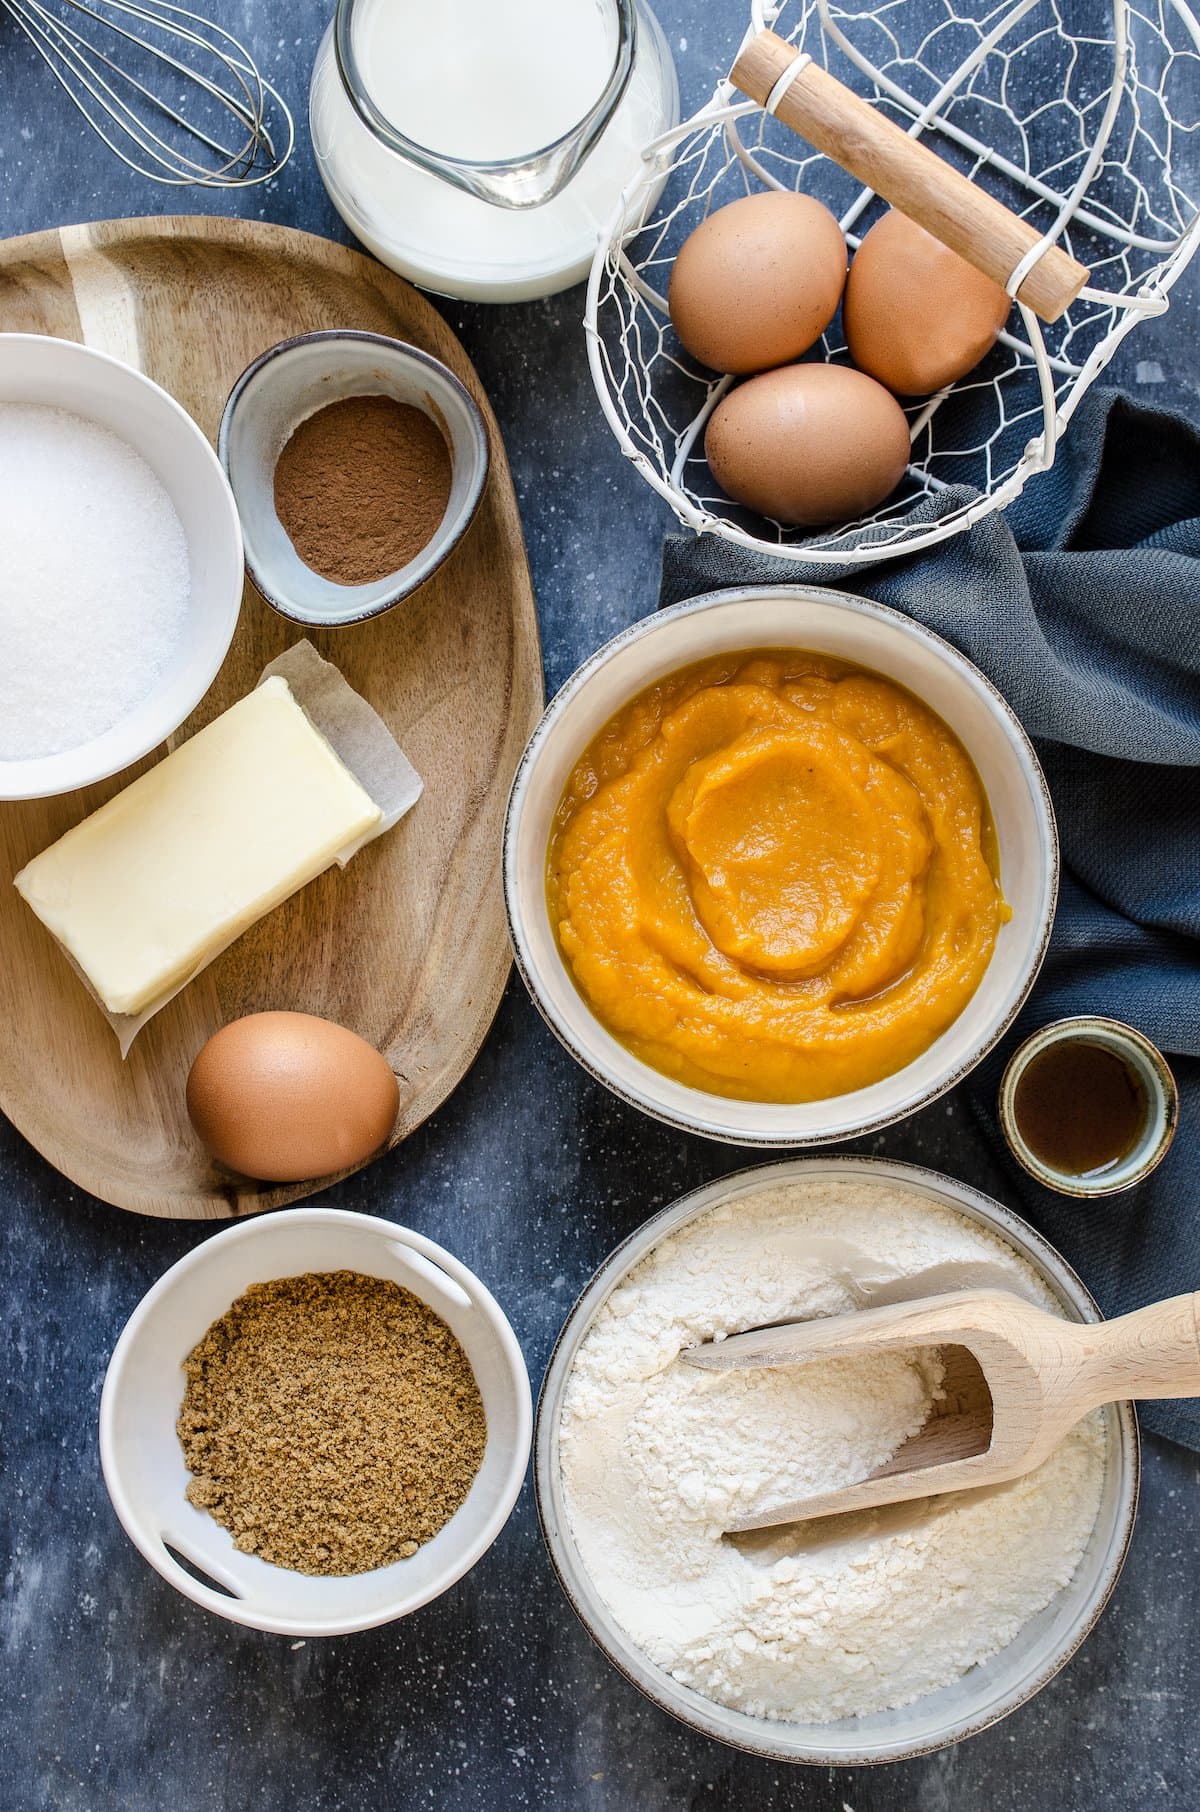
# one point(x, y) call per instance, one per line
point(863, 1638)
point(121, 576)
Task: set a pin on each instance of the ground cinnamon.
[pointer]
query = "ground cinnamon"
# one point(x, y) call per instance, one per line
point(362, 486)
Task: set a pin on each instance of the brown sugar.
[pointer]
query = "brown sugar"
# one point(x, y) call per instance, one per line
point(362, 486)
point(332, 1422)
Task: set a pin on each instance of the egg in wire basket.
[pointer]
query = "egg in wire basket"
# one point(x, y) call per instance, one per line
point(1093, 138)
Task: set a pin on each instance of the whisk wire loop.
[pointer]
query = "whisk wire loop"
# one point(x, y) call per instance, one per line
point(74, 52)
point(201, 55)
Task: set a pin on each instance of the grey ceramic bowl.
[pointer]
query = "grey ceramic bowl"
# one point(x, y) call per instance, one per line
point(275, 394)
point(984, 1694)
point(868, 635)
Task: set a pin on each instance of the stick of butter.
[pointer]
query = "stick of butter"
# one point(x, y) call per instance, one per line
point(161, 879)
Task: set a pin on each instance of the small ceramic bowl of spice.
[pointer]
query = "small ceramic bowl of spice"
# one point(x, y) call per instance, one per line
point(1088, 1106)
point(315, 1422)
point(358, 463)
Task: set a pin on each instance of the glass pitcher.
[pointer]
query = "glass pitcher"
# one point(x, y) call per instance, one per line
point(478, 146)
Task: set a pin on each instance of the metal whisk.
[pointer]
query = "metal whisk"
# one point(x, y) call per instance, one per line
point(127, 66)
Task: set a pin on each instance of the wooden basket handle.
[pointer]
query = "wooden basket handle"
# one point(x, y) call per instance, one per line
point(907, 174)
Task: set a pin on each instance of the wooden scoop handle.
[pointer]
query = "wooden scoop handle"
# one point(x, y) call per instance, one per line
point(1154, 1352)
point(908, 174)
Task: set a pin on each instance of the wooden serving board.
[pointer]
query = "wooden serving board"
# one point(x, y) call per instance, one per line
point(408, 945)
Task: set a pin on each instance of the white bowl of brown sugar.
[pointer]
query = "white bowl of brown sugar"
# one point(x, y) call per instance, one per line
point(358, 463)
point(315, 1422)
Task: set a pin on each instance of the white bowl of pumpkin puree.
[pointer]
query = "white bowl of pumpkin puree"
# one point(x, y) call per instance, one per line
point(780, 865)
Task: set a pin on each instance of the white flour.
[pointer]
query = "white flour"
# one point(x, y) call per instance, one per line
point(658, 1456)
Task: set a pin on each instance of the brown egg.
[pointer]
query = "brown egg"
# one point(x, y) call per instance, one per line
point(287, 1096)
point(758, 282)
point(917, 316)
point(809, 445)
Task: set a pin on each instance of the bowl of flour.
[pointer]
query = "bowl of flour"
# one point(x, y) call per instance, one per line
point(868, 1638)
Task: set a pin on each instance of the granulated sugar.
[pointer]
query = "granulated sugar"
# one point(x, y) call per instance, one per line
point(94, 580)
point(814, 1622)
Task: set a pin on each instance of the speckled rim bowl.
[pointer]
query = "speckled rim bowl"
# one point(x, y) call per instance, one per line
point(983, 1695)
point(143, 1462)
point(290, 382)
point(35, 368)
point(869, 635)
point(1147, 1063)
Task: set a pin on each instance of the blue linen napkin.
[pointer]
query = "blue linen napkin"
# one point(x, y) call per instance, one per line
point(1082, 604)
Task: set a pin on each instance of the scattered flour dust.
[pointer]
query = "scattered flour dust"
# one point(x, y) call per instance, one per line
point(658, 1456)
point(94, 580)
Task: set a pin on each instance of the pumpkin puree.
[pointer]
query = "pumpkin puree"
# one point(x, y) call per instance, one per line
point(773, 876)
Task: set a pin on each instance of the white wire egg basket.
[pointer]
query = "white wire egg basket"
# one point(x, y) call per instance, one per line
point(1082, 116)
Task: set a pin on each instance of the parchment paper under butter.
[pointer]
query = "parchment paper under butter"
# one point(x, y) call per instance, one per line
point(359, 737)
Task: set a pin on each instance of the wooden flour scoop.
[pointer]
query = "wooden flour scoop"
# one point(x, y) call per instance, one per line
point(1017, 1380)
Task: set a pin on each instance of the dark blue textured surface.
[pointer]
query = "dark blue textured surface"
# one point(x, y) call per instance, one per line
point(121, 1697)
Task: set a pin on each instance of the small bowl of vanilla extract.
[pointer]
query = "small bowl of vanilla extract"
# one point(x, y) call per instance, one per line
point(1088, 1106)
